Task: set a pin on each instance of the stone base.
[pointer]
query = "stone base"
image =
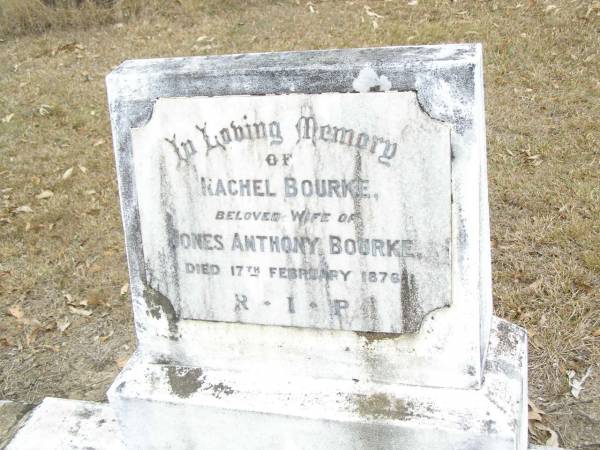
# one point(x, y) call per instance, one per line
point(58, 424)
point(168, 406)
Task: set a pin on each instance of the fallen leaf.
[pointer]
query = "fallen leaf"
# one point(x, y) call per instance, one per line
point(7, 118)
point(83, 169)
point(80, 311)
point(583, 286)
point(575, 384)
point(105, 338)
point(16, 312)
point(24, 209)
point(372, 13)
point(552, 441)
point(90, 192)
point(534, 412)
point(44, 110)
point(94, 300)
point(63, 324)
point(535, 285)
point(34, 323)
point(69, 299)
point(121, 361)
point(67, 173)
point(596, 333)
point(44, 195)
point(100, 141)
point(124, 289)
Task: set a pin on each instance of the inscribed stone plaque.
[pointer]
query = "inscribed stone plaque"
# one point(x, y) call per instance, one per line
point(323, 210)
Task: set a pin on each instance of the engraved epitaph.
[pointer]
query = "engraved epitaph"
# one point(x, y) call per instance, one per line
point(308, 210)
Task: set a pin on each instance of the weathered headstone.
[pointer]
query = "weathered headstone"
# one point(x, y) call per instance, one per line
point(308, 245)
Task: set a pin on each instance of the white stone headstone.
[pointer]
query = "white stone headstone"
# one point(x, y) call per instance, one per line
point(307, 237)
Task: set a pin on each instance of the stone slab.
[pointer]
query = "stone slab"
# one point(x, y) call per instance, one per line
point(48, 433)
point(323, 211)
point(169, 406)
point(331, 329)
point(61, 424)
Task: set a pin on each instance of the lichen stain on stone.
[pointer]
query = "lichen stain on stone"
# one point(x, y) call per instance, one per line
point(507, 340)
point(381, 406)
point(158, 305)
point(218, 389)
point(184, 381)
point(374, 337)
point(412, 314)
point(85, 413)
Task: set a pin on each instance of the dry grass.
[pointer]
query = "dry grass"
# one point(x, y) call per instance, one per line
point(34, 16)
point(542, 84)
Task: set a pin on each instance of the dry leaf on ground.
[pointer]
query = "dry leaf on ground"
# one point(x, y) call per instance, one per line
point(44, 195)
point(16, 311)
point(44, 110)
point(534, 412)
point(80, 311)
point(67, 173)
point(575, 384)
point(24, 209)
point(63, 324)
point(121, 361)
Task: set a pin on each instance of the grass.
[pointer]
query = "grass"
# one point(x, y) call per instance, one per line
point(19, 17)
point(542, 84)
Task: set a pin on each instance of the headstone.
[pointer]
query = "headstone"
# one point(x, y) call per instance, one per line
point(308, 245)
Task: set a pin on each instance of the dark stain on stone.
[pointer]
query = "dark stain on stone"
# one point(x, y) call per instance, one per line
point(380, 406)
point(121, 386)
point(164, 360)
point(507, 340)
point(172, 248)
point(219, 389)
point(100, 422)
point(373, 337)
point(412, 313)
point(489, 426)
point(184, 381)
point(85, 413)
point(158, 305)
point(471, 370)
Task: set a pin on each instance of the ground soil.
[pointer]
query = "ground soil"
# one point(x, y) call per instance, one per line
point(65, 319)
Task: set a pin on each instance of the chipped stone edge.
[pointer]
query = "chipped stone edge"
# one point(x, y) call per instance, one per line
point(22, 416)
